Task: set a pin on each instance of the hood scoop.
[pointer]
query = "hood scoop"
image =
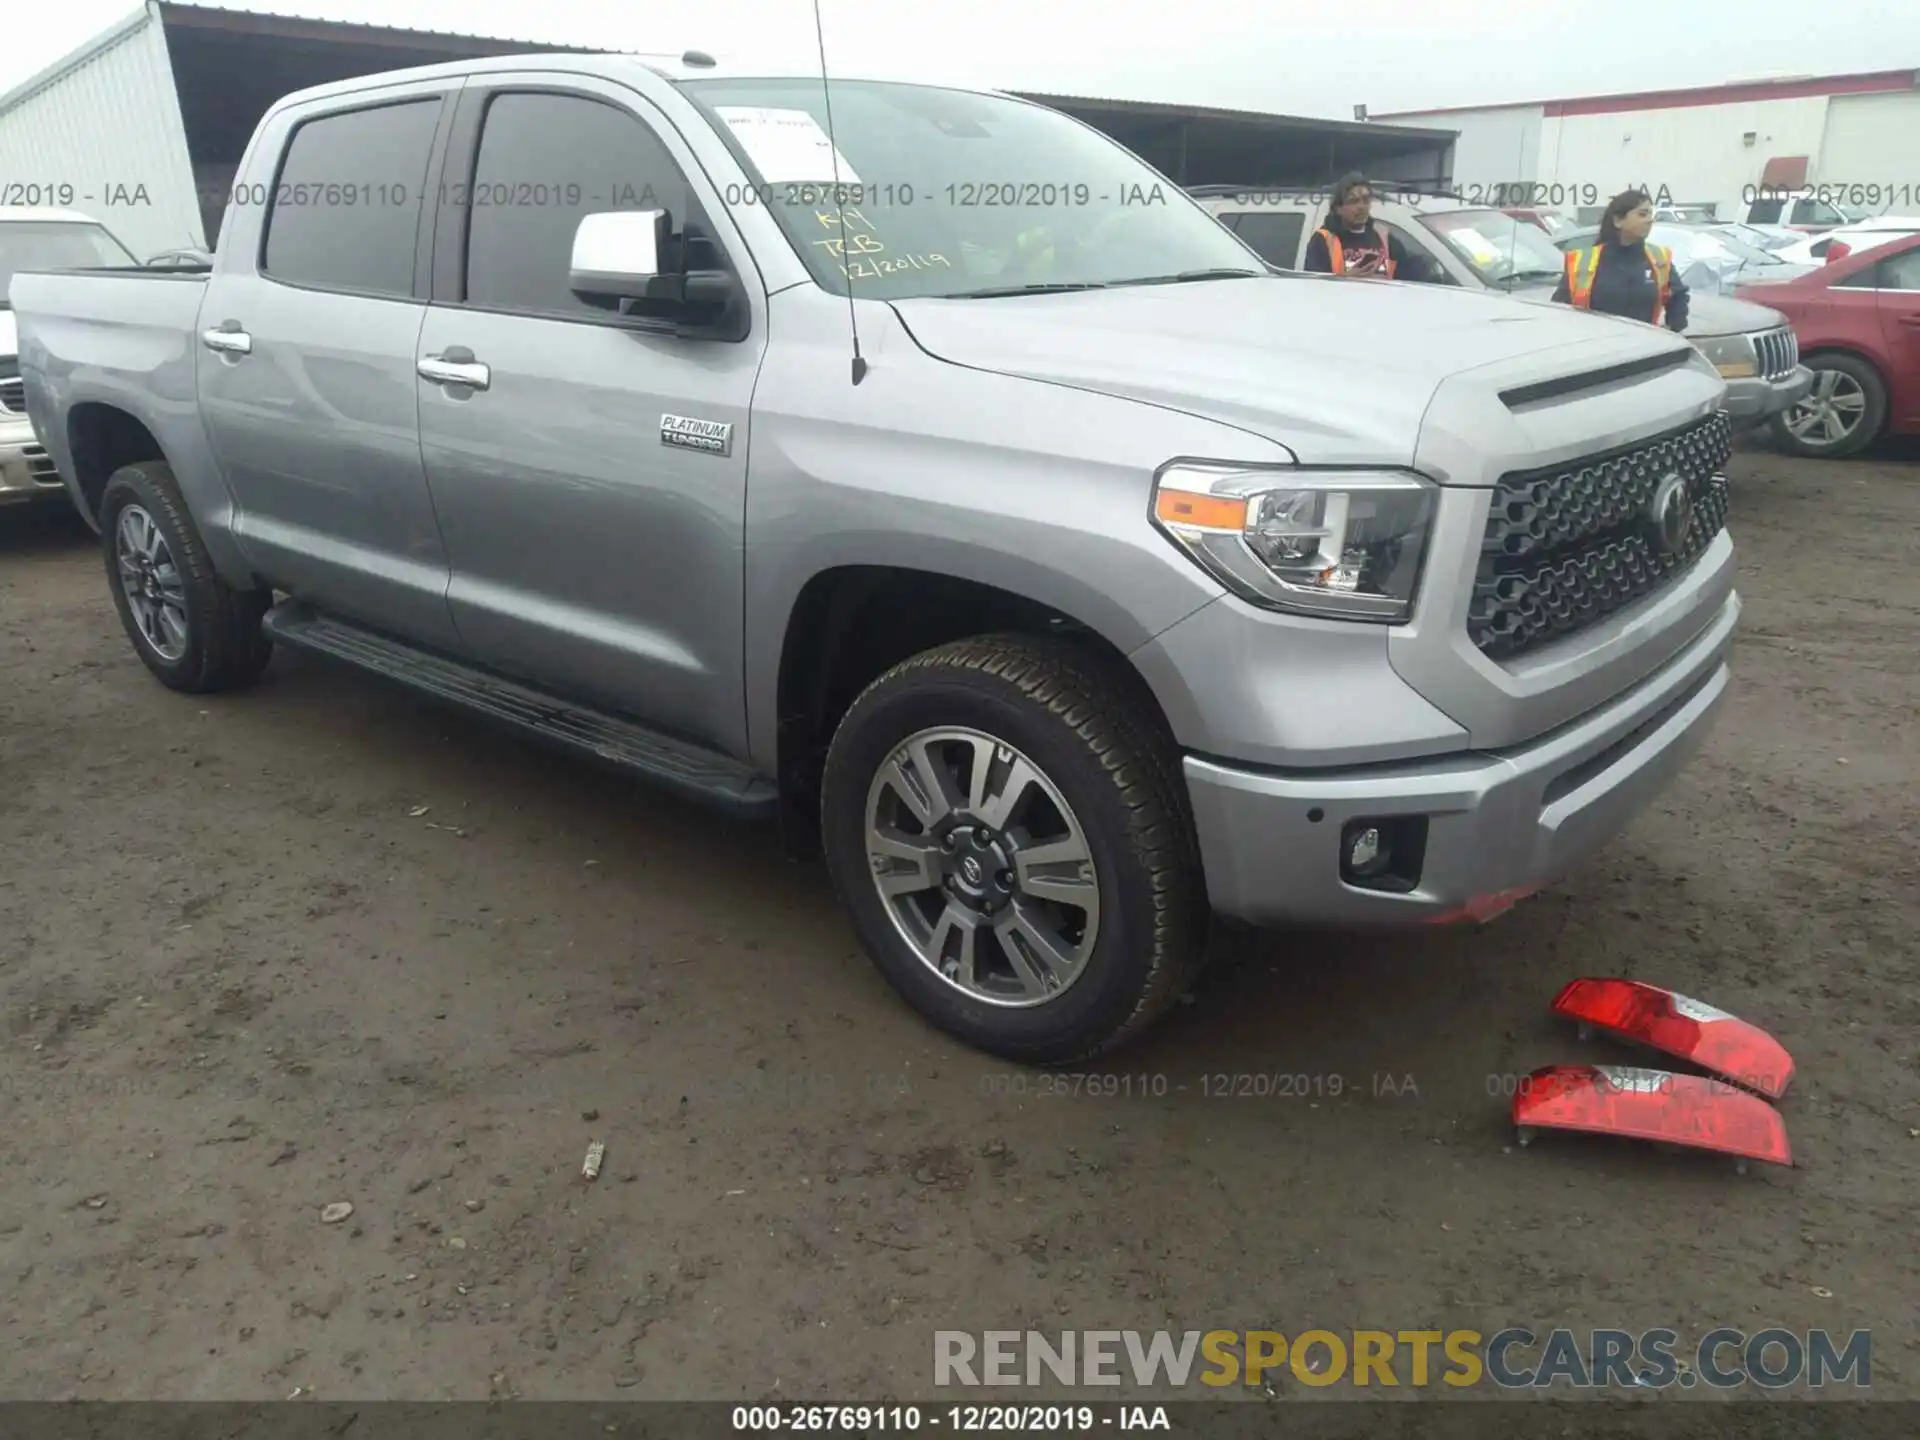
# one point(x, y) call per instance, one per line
point(1523, 397)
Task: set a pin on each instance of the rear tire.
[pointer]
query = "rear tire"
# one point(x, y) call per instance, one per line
point(1842, 414)
point(1074, 865)
point(193, 630)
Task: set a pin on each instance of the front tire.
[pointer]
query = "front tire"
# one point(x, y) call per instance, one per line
point(1842, 414)
point(1006, 825)
point(195, 632)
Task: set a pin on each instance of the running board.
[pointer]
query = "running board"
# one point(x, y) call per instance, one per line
point(698, 773)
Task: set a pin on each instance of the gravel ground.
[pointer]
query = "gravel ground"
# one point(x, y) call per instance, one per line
point(322, 943)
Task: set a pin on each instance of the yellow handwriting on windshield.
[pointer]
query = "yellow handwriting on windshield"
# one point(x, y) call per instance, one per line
point(858, 250)
point(894, 265)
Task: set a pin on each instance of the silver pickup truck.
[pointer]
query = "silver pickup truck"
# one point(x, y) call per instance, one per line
point(1107, 582)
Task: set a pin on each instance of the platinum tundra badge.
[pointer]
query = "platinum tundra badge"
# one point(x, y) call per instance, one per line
point(713, 436)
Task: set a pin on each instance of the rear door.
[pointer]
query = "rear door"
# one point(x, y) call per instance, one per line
point(1277, 235)
point(306, 371)
point(1898, 298)
point(590, 555)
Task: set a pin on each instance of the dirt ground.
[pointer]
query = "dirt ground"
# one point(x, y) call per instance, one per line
point(324, 943)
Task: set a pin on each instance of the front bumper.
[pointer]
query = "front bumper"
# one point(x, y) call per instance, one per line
point(1499, 825)
point(26, 470)
point(1755, 399)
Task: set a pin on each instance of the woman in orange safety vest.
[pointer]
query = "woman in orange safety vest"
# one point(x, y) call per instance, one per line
point(1623, 274)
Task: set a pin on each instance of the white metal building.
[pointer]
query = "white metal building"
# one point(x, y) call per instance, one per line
point(1715, 145)
point(143, 126)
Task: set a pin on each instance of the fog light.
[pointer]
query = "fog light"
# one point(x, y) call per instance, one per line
point(1364, 850)
point(1383, 852)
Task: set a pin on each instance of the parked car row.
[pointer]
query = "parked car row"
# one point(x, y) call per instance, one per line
point(1481, 248)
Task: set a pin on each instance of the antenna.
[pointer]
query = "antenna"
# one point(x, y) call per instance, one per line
point(826, 91)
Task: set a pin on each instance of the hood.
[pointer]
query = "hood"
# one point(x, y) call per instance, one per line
point(1724, 315)
point(1339, 371)
point(9, 334)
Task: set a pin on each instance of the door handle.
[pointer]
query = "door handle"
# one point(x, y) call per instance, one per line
point(228, 338)
point(455, 366)
point(1910, 319)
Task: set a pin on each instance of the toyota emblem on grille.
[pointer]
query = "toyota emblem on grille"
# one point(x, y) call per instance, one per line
point(1672, 513)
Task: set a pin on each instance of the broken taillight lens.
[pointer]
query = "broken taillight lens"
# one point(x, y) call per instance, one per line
point(1683, 1027)
point(1656, 1105)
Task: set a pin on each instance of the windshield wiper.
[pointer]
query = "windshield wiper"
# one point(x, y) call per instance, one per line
point(1052, 287)
point(1226, 273)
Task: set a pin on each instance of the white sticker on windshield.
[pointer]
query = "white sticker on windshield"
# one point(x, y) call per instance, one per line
point(1474, 243)
point(786, 146)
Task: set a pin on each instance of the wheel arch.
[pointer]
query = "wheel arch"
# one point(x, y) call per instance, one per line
point(851, 623)
point(101, 438)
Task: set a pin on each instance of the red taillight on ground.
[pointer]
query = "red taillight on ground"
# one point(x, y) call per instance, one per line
point(1683, 1027)
point(1657, 1105)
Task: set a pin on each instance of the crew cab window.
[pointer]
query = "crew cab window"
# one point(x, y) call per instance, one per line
point(344, 212)
point(1816, 212)
point(1274, 235)
point(1765, 212)
point(545, 161)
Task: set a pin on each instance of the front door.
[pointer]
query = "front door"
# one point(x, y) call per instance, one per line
point(594, 551)
point(306, 368)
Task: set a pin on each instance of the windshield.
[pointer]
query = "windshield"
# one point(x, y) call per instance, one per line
point(949, 192)
point(1689, 246)
point(55, 245)
point(1500, 249)
point(1762, 240)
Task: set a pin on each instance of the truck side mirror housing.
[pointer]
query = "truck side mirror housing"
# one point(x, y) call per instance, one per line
point(619, 256)
point(628, 262)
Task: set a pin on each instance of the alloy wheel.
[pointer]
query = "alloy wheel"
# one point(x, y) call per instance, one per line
point(1831, 412)
point(151, 581)
point(983, 867)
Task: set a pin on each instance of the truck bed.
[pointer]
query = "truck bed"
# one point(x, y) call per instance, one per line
point(125, 337)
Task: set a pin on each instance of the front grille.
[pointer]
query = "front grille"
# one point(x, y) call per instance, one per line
point(40, 465)
point(13, 396)
point(1778, 352)
point(1566, 547)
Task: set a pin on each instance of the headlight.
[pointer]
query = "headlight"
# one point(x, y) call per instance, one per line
point(1732, 355)
point(1346, 544)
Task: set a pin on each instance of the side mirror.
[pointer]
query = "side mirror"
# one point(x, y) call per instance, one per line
point(618, 256)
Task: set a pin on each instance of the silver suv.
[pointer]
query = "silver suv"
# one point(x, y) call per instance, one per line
point(1000, 522)
point(1483, 248)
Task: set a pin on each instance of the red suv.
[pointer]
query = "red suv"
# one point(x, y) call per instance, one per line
point(1858, 323)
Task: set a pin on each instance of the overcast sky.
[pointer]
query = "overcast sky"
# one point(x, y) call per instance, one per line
point(1292, 57)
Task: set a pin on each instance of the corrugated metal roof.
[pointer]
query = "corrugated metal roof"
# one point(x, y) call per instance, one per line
point(1175, 110)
